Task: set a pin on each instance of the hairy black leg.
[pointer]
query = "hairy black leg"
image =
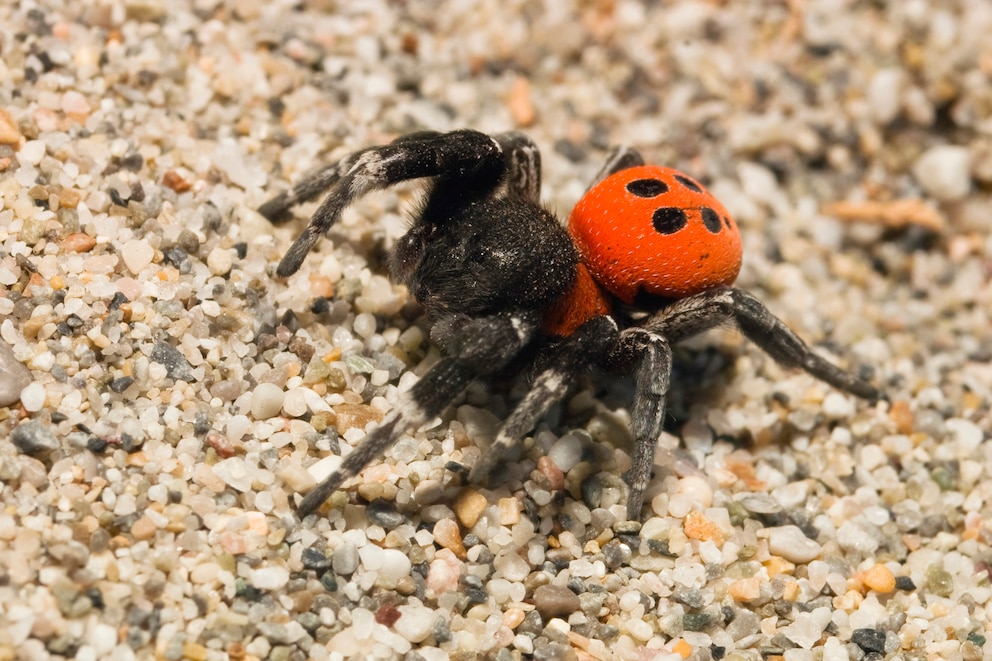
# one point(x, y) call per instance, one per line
point(473, 158)
point(523, 166)
point(653, 357)
point(428, 397)
point(558, 370)
point(488, 344)
point(703, 311)
point(619, 158)
point(308, 188)
point(322, 179)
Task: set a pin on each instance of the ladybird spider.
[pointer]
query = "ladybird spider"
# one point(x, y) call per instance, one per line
point(646, 261)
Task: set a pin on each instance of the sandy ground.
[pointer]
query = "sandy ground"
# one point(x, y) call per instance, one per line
point(166, 398)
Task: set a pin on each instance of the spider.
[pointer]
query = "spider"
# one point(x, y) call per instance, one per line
point(646, 261)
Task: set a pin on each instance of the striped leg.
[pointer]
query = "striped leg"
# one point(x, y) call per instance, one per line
point(484, 345)
point(619, 158)
point(574, 354)
point(474, 157)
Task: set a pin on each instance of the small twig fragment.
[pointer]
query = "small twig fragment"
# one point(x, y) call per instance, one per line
point(892, 213)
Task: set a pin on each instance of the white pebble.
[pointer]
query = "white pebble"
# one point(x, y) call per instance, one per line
point(965, 433)
point(943, 172)
point(377, 296)
point(74, 103)
point(411, 338)
point(320, 470)
point(237, 427)
point(297, 478)
point(14, 376)
point(868, 614)
point(395, 565)
point(33, 397)
point(31, 152)
point(679, 505)
point(362, 622)
point(220, 261)
point(266, 401)
point(790, 543)
point(697, 488)
point(364, 325)
point(234, 472)
point(511, 566)
point(816, 573)
point(877, 515)
point(566, 453)
point(884, 94)
point(697, 435)
point(102, 638)
point(344, 561)
point(295, 403)
point(871, 457)
point(44, 361)
point(857, 536)
point(630, 600)
point(126, 505)
point(792, 495)
point(244, 172)
point(834, 650)
point(639, 629)
point(837, 406)
point(158, 493)
point(269, 578)
point(524, 643)
point(807, 628)
point(415, 622)
point(264, 502)
point(137, 254)
point(379, 377)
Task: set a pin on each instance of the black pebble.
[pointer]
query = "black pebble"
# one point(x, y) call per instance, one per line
point(870, 640)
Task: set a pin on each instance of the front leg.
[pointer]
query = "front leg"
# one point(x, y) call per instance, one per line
point(472, 158)
point(319, 181)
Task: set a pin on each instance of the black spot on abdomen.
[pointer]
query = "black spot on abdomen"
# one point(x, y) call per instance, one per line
point(647, 187)
point(711, 219)
point(668, 220)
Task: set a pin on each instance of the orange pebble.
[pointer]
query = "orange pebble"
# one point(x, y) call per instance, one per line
point(447, 535)
point(745, 589)
point(776, 565)
point(682, 648)
point(902, 416)
point(698, 527)
point(520, 103)
point(321, 286)
point(78, 242)
point(880, 579)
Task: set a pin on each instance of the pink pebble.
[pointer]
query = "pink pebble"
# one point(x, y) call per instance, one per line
point(444, 572)
point(74, 103)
